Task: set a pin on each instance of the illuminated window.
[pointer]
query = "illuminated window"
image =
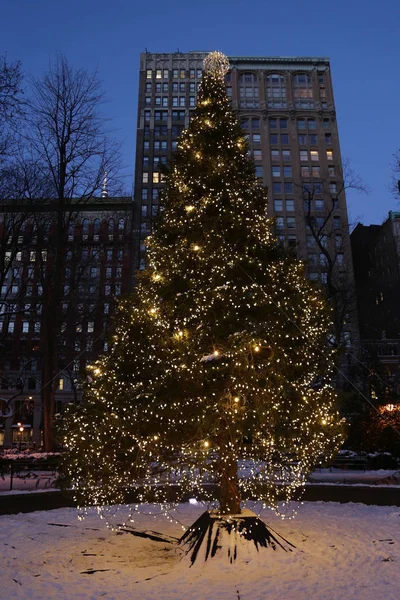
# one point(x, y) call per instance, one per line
point(329, 154)
point(315, 171)
point(314, 155)
point(302, 90)
point(156, 177)
point(61, 383)
point(158, 73)
point(25, 326)
point(148, 74)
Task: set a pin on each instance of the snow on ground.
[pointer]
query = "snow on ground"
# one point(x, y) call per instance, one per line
point(344, 552)
point(42, 480)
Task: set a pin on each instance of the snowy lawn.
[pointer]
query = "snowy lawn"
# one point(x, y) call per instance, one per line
point(344, 552)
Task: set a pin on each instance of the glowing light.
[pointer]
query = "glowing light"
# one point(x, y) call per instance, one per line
point(257, 348)
point(206, 444)
point(196, 247)
point(189, 208)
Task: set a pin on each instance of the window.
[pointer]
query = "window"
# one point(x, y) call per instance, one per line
point(314, 155)
point(107, 290)
point(25, 327)
point(277, 188)
point(276, 91)
point(304, 155)
point(331, 171)
point(279, 222)
point(273, 138)
point(311, 241)
point(144, 193)
point(94, 272)
point(256, 138)
point(305, 172)
point(329, 154)
point(148, 88)
point(328, 138)
point(312, 139)
point(315, 171)
point(273, 123)
point(290, 222)
point(145, 178)
point(108, 272)
point(275, 155)
point(289, 205)
point(302, 90)
point(257, 154)
point(248, 90)
point(283, 123)
point(301, 124)
point(36, 327)
point(319, 205)
point(288, 186)
point(287, 171)
point(336, 222)
point(117, 289)
point(255, 123)
point(11, 327)
point(338, 241)
point(286, 155)
point(165, 101)
point(192, 101)
point(284, 139)
point(154, 194)
point(259, 172)
point(244, 123)
point(148, 74)
point(278, 205)
point(182, 73)
point(302, 138)
point(276, 171)
point(90, 326)
point(311, 123)
point(147, 114)
point(156, 177)
point(333, 187)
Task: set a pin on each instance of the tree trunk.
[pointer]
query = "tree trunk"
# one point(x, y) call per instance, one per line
point(229, 496)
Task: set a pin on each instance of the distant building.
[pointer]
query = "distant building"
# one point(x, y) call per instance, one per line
point(287, 109)
point(97, 270)
point(376, 259)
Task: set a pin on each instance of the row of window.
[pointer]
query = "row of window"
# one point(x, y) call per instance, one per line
point(175, 73)
point(156, 177)
point(313, 155)
point(162, 115)
point(175, 101)
point(175, 88)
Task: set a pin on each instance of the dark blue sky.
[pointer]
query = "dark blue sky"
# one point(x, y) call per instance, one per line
point(361, 38)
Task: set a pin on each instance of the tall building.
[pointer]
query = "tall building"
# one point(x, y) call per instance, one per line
point(286, 108)
point(97, 269)
point(376, 257)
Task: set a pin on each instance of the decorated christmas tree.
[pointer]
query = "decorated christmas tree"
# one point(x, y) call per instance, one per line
point(219, 377)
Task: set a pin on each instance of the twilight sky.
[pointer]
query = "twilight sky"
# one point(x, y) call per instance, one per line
point(361, 38)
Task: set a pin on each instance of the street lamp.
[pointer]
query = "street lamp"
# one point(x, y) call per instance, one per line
point(20, 432)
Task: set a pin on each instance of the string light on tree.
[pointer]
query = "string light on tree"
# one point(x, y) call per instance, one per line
point(219, 369)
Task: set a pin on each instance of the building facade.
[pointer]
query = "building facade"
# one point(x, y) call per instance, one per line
point(97, 269)
point(287, 110)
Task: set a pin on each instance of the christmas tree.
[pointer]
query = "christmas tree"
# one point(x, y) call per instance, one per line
point(220, 371)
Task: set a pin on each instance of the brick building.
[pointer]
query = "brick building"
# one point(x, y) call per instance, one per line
point(97, 270)
point(286, 107)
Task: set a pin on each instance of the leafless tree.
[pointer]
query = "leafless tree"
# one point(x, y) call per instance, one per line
point(69, 136)
point(329, 238)
point(395, 184)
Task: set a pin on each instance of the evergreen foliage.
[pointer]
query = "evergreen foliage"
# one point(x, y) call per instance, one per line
point(220, 371)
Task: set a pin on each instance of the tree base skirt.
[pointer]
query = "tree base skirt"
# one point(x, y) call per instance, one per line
point(229, 536)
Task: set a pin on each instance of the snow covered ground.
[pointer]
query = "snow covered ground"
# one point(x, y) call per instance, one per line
point(343, 552)
point(42, 480)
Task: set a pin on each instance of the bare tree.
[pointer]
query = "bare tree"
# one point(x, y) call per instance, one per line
point(395, 184)
point(329, 238)
point(68, 135)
